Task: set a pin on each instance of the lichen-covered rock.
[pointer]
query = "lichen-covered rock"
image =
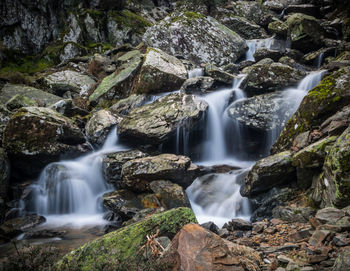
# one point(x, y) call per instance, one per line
point(160, 72)
point(279, 28)
point(264, 112)
point(68, 108)
point(170, 195)
point(252, 11)
point(269, 172)
point(138, 173)
point(4, 174)
point(197, 38)
point(126, 27)
point(156, 122)
point(342, 261)
point(329, 96)
point(42, 97)
point(243, 27)
point(36, 136)
point(306, 33)
point(100, 124)
point(60, 82)
point(121, 248)
point(112, 165)
point(201, 84)
point(262, 53)
point(196, 248)
point(270, 77)
point(219, 75)
point(118, 84)
point(333, 184)
point(19, 101)
point(124, 106)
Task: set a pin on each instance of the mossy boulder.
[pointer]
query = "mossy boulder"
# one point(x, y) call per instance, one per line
point(160, 72)
point(333, 185)
point(220, 76)
point(196, 37)
point(154, 123)
point(329, 96)
point(19, 101)
point(262, 78)
point(305, 32)
point(120, 250)
point(138, 173)
point(269, 172)
point(42, 97)
point(124, 106)
point(119, 84)
point(60, 82)
point(112, 165)
point(36, 136)
point(99, 125)
point(279, 28)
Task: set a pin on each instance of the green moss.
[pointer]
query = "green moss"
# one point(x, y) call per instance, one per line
point(118, 249)
point(126, 18)
point(29, 65)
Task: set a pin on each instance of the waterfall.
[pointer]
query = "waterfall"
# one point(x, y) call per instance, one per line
point(319, 60)
point(254, 45)
point(197, 72)
point(73, 188)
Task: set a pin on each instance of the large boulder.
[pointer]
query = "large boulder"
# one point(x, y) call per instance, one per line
point(160, 72)
point(332, 188)
point(119, 84)
point(154, 123)
point(195, 248)
point(36, 136)
point(263, 78)
point(124, 106)
point(264, 112)
point(112, 165)
point(269, 172)
point(197, 38)
point(306, 33)
point(342, 261)
point(100, 124)
point(138, 173)
point(41, 97)
point(121, 248)
point(328, 97)
point(60, 82)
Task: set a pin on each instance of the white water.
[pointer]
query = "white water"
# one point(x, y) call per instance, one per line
point(197, 72)
point(69, 192)
point(319, 60)
point(254, 45)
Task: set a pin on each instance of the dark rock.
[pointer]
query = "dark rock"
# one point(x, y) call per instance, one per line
point(202, 84)
point(211, 227)
point(38, 234)
point(68, 108)
point(15, 226)
point(336, 124)
point(112, 165)
point(240, 224)
point(343, 260)
point(124, 106)
point(291, 214)
point(344, 223)
point(219, 75)
point(4, 174)
point(306, 9)
point(341, 240)
point(266, 53)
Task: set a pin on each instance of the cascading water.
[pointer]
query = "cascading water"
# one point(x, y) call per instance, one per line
point(254, 45)
point(73, 188)
point(197, 72)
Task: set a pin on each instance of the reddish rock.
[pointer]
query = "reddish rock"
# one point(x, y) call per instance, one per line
point(318, 237)
point(195, 248)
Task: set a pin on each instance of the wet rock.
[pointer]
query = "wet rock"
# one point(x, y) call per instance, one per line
point(264, 112)
point(328, 97)
point(195, 37)
point(195, 248)
point(240, 224)
point(343, 260)
point(160, 72)
point(267, 173)
point(60, 82)
point(266, 53)
point(36, 136)
point(119, 84)
point(138, 173)
point(110, 249)
point(313, 58)
point(41, 97)
point(279, 28)
point(16, 226)
point(336, 124)
point(4, 174)
point(219, 75)
point(68, 108)
point(112, 165)
point(202, 84)
point(306, 33)
point(19, 101)
point(124, 106)
point(38, 234)
point(156, 122)
point(329, 215)
point(169, 194)
point(211, 227)
point(270, 77)
point(243, 27)
point(99, 125)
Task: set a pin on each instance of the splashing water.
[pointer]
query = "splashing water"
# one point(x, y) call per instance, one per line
point(197, 72)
